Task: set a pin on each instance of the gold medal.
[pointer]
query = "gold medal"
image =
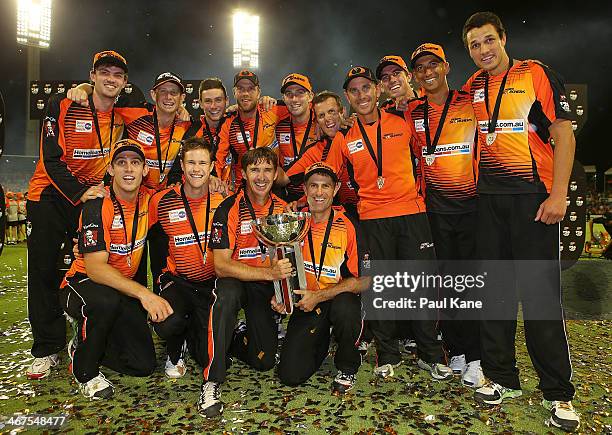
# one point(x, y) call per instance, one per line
point(129, 261)
point(380, 181)
point(491, 138)
point(429, 159)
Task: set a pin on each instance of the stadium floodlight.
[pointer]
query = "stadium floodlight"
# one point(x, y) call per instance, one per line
point(246, 40)
point(34, 23)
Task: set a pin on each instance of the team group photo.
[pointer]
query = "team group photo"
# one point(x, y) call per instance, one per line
point(413, 240)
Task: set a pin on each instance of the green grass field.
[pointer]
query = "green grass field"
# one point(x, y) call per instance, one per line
point(256, 403)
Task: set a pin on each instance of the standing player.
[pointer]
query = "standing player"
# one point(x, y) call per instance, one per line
point(444, 126)
point(109, 307)
point(244, 278)
point(328, 111)
point(521, 110)
point(75, 142)
point(331, 260)
point(12, 217)
point(298, 131)
point(213, 101)
point(395, 79)
point(184, 215)
point(250, 127)
point(391, 208)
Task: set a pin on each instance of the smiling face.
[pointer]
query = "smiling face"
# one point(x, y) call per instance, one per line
point(168, 97)
point(213, 103)
point(297, 100)
point(328, 116)
point(320, 190)
point(247, 95)
point(196, 166)
point(395, 81)
point(487, 49)
point(430, 73)
point(362, 95)
point(108, 80)
point(259, 178)
point(128, 170)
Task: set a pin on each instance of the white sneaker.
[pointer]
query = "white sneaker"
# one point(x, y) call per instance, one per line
point(41, 367)
point(472, 376)
point(458, 364)
point(438, 371)
point(492, 393)
point(175, 371)
point(97, 388)
point(386, 370)
point(562, 415)
point(209, 403)
point(409, 345)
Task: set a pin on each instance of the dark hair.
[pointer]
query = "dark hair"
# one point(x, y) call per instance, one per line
point(211, 83)
point(480, 19)
point(197, 143)
point(324, 95)
point(258, 155)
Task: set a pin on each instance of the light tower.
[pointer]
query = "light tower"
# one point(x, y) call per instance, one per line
point(246, 40)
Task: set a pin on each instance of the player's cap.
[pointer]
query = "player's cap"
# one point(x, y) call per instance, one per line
point(127, 145)
point(110, 57)
point(320, 168)
point(390, 60)
point(169, 77)
point(296, 79)
point(246, 74)
point(427, 48)
point(358, 71)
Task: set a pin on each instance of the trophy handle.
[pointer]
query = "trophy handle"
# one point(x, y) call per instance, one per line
point(299, 260)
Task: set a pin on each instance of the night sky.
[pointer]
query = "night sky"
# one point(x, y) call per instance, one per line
point(320, 38)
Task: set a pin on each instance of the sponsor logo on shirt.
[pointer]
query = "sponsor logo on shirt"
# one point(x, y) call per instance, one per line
point(145, 138)
point(479, 95)
point(245, 227)
point(154, 163)
point(90, 238)
point(504, 126)
point(117, 222)
point(287, 160)
point(285, 137)
point(83, 126)
point(327, 272)
point(239, 136)
point(451, 149)
point(189, 239)
point(419, 125)
point(247, 253)
point(87, 154)
point(178, 215)
point(459, 120)
point(355, 146)
point(124, 249)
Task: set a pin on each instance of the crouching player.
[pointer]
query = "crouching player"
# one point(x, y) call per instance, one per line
point(331, 254)
point(184, 215)
point(110, 308)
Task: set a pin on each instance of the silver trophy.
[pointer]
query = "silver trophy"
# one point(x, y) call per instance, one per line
point(282, 233)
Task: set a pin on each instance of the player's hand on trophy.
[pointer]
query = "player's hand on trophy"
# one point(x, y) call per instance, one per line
point(280, 269)
point(291, 206)
point(279, 308)
point(217, 185)
point(309, 300)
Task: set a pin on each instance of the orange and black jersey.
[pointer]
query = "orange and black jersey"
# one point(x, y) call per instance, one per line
point(318, 152)
point(343, 251)
point(231, 227)
point(140, 126)
point(520, 160)
point(101, 228)
point(185, 258)
point(231, 139)
point(400, 194)
point(72, 159)
point(207, 131)
point(449, 179)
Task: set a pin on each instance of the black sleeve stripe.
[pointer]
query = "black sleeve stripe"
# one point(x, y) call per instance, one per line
point(562, 109)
